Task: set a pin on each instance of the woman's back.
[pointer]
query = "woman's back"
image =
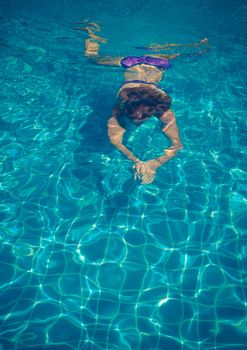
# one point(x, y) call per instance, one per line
point(143, 72)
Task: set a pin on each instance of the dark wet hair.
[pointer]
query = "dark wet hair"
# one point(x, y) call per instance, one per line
point(154, 102)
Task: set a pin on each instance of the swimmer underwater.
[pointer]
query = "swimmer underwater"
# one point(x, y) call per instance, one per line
point(140, 97)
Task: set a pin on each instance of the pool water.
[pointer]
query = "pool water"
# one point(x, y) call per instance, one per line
point(89, 258)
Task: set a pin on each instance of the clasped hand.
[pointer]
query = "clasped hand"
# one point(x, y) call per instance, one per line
point(146, 171)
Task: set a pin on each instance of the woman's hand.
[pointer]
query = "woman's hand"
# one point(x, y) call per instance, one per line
point(146, 171)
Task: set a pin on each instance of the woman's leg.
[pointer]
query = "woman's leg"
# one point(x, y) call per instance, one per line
point(173, 56)
point(158, 47)
point(171, 45)
point(92, 43)
point(92, 46)
point(200, 48)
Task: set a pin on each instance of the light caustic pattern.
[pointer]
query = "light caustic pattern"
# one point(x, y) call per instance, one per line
point(89, 258)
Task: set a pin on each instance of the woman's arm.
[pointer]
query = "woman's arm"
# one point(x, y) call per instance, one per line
point(171, 131)
point(146, 171)
point(115, 133)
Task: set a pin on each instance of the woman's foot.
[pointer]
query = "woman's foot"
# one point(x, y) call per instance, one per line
point(204, 41)
point(92, 35)
point(90, 29)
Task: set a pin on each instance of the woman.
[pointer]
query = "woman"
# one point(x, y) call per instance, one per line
point(140, 98)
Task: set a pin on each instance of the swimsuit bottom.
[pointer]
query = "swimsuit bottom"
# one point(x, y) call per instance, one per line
point(131, 61)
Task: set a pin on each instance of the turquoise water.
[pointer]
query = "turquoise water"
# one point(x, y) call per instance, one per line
point(91, 259)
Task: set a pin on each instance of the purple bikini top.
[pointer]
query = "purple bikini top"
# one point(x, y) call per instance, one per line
point(131, 61)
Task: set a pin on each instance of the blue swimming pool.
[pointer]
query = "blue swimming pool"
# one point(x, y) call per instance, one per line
point(89, 258)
